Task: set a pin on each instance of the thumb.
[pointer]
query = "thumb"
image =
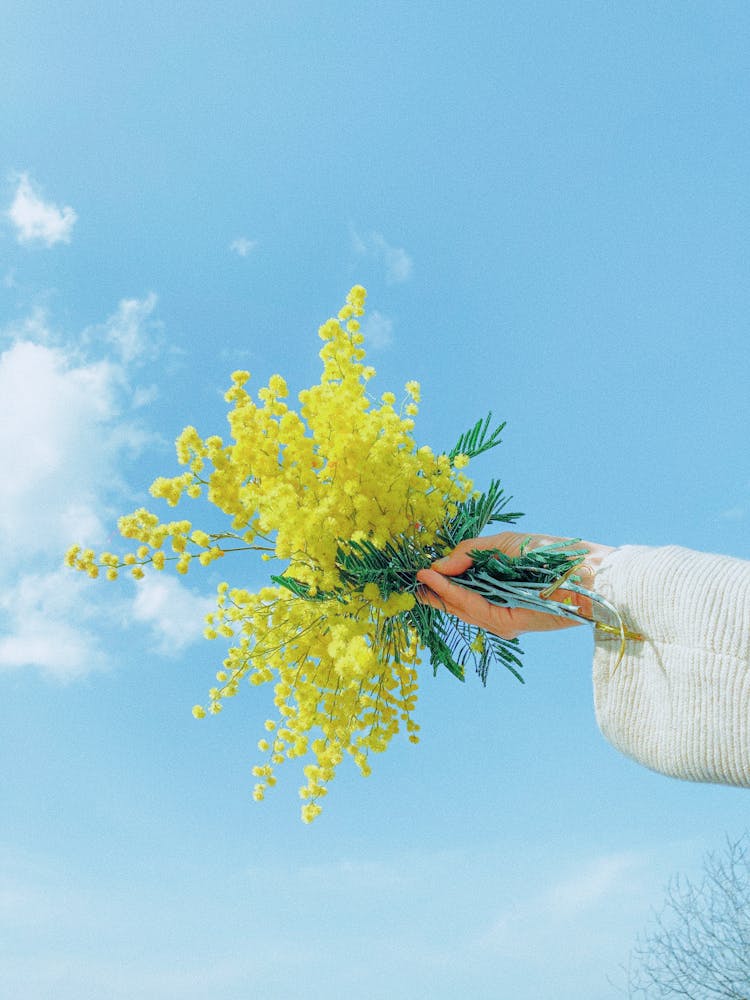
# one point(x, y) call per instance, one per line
point(453, 564)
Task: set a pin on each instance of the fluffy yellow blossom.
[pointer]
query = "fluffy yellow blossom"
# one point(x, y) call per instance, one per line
point(303, 486)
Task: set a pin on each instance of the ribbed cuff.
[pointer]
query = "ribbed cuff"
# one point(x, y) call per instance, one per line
point(679, 702)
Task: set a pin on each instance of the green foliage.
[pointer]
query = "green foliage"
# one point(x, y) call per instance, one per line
point(474, 514)
point(454, 644)
point(303, 590)
point(391, 568)
point(478, 439)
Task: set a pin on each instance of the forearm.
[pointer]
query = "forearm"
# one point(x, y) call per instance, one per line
point(679, 702)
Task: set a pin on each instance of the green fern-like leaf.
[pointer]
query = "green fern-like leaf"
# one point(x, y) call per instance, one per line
point(304, 590)
point(478, 439)
point(475, 513)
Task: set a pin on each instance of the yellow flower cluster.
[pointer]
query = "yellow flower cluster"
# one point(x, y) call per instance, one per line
point(301, 486)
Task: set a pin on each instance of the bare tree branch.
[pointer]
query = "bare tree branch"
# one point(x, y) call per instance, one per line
point(699, 944)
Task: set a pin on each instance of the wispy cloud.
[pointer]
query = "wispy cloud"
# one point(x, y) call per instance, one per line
point(356, 876)
point(43, 627)
point(595, 881)
point(144, 394)
point(242, 246)
point(736, 513)
point(740, 509)
point(175, 613)
point(377, 330)
point(70, 934)
point(39, 221)
point(573, 898)
point(68, 429)
point(60, 442)
point(132, 330)
point(397, 263)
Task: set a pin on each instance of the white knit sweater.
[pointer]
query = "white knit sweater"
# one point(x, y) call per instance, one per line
point(679, 702)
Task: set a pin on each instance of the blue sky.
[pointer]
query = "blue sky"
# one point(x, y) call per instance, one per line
point(548, 204)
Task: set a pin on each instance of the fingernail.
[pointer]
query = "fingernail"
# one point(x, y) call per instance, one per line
point(440, 564)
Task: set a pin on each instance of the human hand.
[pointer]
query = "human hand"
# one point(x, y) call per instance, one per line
point(439, 592)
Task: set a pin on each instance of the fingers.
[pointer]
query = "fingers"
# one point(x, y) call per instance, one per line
point(454, 564)
point(509, 542)
point(425, 596)
point(440, 593)
point(435, 582)
point(459, 559)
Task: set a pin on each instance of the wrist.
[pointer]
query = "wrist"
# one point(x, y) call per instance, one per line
point(594, 558)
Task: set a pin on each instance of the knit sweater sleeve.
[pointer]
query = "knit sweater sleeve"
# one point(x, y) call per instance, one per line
point(679, 702)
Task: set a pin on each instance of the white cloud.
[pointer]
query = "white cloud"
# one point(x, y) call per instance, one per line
point(358, 876)
point(68, 433)
point(377, 330)
point(375, 877)
point(396, 261)
point(358, 244)
point(242, 246)
point(131, 334)
point(64, 442)
point(60, 443)
point(31, 327)
point(38, 221)
point(61, 928)
point(41, 626)
point(595, 881)
point(736, 513)
point(143, 395)
point(175, 613)
point(573, 899)
point(131, 330)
